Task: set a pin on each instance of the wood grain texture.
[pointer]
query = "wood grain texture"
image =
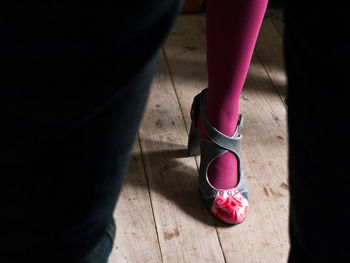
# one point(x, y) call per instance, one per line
point(136, 239)
point(185, 51)
point(263, 236)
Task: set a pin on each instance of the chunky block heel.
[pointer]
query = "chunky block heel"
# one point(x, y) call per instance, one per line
point(193, 146)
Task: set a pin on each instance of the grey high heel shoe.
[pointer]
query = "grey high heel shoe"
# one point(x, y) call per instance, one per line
point(229, 205)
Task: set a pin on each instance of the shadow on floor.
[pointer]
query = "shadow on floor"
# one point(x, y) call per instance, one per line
point(174, 176)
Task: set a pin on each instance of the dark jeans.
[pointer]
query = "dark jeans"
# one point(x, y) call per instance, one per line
point(100, 253)
point(75, 77)
point(317, 59)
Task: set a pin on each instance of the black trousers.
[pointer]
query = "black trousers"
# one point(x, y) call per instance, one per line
point(317, 60)
point(75, 77)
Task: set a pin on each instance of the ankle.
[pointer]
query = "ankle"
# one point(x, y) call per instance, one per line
point(226, 125)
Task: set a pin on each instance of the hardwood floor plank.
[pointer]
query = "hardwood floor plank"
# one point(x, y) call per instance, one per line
point(136, 239)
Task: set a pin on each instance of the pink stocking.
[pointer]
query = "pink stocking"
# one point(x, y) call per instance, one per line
point(232, 30)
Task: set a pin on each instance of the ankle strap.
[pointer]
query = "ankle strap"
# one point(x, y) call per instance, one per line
point(233, 143)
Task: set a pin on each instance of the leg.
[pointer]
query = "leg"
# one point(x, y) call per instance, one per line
point(232, 30)
point(75, 79)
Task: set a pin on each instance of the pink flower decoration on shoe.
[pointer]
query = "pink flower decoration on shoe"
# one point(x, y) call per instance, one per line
point(230, 206)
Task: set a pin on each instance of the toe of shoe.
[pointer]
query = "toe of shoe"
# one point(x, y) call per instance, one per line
point(230, 206)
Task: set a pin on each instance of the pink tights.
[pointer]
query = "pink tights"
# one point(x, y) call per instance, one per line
point(232, 30)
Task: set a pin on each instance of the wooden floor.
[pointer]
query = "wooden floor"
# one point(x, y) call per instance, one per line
point(159, 216)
